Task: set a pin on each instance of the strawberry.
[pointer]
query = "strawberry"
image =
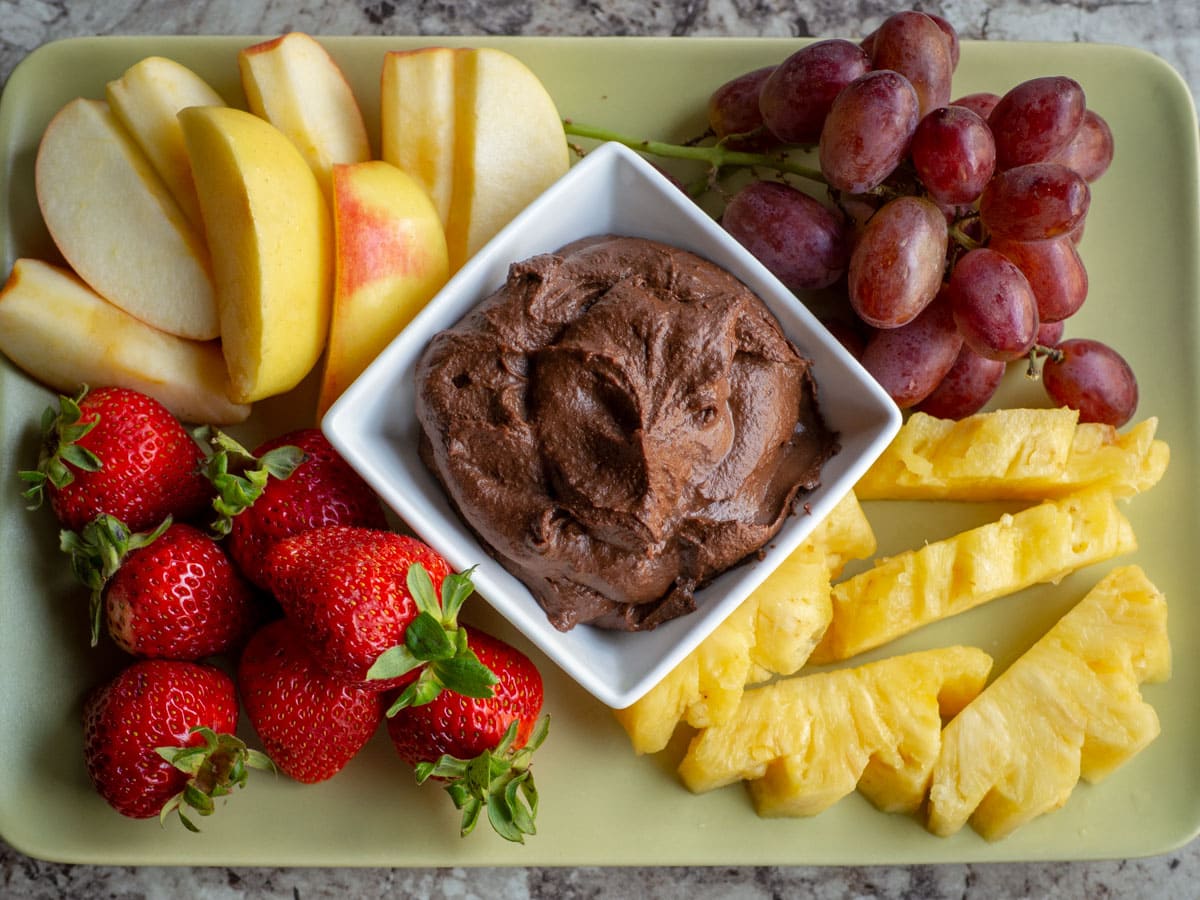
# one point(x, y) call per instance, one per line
point(171, 593)
point(118, 452)
point(481, 747)
point(354, 593)
point(310, 723)
point(310, 486)
point(158, 737)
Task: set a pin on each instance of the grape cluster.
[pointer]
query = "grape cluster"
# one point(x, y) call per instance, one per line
point(952, 224)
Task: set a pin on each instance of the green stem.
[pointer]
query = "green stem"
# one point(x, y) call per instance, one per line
point(1051, 353)
point(715, 155)
point(959, 236)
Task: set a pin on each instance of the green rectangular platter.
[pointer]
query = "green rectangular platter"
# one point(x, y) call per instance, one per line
point(601, 804)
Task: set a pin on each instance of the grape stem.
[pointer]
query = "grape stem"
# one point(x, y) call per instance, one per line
point(960, 236)
point(716, 155)
point(1051, 353)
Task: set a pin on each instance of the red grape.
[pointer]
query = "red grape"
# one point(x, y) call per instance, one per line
point(1093, 378)
point(897, 264)
point(1034, 202)
point(981, 104)
point(910, 361)
point(1054, 271)
point(912, 44)
point(951, 37)
point(733, 109)
point(1090, 152)
point(994, 306)
point(966, 388)
point(954, 154)
point(867, 131)
point(796, 98)
point(1036, 119)
point(799, 240)
point(1050, 333)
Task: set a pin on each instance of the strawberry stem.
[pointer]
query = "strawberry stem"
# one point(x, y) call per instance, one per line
point(436, 644)
point(215, 768)
point(60, 450)
point(238, 476)
point(97, 552)
point(498, 780)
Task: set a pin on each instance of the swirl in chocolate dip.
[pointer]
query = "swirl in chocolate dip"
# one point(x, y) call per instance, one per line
point(619, 423)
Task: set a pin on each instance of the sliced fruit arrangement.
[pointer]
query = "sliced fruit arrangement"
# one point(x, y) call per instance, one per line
point(810, 737)
point(476, 128)
point(772, 633)
point(292, 82)
point(57, 329)
point(853, 721)
point(182, 539)
point(1070, 707)
point(184, 220)
point(390, 259)
point(275, 231)
point(147, 100)
point(1037, 545)
point(973, 204)
point(269, 233)
point(118, 226)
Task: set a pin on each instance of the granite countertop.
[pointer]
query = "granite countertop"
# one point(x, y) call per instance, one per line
point(1170, 29)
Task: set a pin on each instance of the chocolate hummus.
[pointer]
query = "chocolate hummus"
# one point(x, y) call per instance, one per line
point(619, 423)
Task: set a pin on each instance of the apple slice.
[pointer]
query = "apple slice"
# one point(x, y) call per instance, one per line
point(146, 100)
point(390, 259)
point(417, 117)
point(477, 128)
point(293, 83)
point(271, 242)
point(64, 334)
point(118, 226)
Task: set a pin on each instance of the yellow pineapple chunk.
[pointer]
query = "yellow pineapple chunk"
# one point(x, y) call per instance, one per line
point(1040, 544)
point(772, 632)
point(1014, 454)
point(811, 740)
point(1068, 708)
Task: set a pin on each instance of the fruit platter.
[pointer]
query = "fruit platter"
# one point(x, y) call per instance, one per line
point(599, 801)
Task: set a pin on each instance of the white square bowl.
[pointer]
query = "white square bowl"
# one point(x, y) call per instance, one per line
point(611, 191)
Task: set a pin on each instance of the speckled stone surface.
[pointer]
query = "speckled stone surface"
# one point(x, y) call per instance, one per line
point(1171, 29)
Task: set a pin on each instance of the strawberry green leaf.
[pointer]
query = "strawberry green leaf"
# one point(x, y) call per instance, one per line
point(256, 759)
point(420, 585)
point(187, 761)
point(81, 458)
point(466, 675)
point(499, 779)
point(215, 768)
point(456, 588)
point(97, 552)
point(238, 476)
point(392, 663)
point(418, 693)
point(427, 639)
point(198, 800)
point(61, 428)
point(471, 809)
